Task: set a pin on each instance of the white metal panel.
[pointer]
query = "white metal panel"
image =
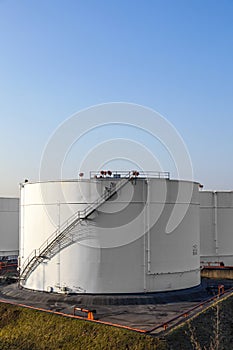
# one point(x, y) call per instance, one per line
point(225, 199)
point(207, 240)
point(225, 231)
point(216, 226)
point(152, 262)
point(9, 226)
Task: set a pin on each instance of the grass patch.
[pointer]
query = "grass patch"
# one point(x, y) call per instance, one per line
point(211, 329)
point(25, 329)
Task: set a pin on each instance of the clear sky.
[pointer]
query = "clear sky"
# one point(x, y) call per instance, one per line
point(60, 56)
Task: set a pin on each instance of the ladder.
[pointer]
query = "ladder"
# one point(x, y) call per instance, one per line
point(64, 235)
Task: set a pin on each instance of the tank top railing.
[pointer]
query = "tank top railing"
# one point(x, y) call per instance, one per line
point(116, 174)
point(46, 250)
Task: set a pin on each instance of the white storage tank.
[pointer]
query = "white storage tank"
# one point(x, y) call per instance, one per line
point(9, 227)
point(121, 247)
point(216, 227)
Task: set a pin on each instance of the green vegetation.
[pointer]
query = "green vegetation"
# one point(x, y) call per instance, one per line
point(211, 329)
point(25, 329)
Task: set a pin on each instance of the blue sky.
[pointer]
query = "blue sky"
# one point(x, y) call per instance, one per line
point(60, 56)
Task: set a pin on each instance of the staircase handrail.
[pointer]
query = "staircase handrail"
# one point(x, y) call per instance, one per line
point(79, 215)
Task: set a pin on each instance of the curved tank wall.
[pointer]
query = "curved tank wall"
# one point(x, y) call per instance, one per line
point(216, 227)
point(9, 226)
point(125, 247)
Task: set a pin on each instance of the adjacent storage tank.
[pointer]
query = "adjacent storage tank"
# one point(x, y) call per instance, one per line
point(120, 246)
point(9, 227)
point(216, 227)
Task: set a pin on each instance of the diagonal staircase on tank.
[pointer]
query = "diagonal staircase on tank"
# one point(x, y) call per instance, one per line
point(65, 235)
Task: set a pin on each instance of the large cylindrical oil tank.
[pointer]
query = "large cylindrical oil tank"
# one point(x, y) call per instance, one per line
point(9, 227)
point(125, 245)
point(216, 227)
